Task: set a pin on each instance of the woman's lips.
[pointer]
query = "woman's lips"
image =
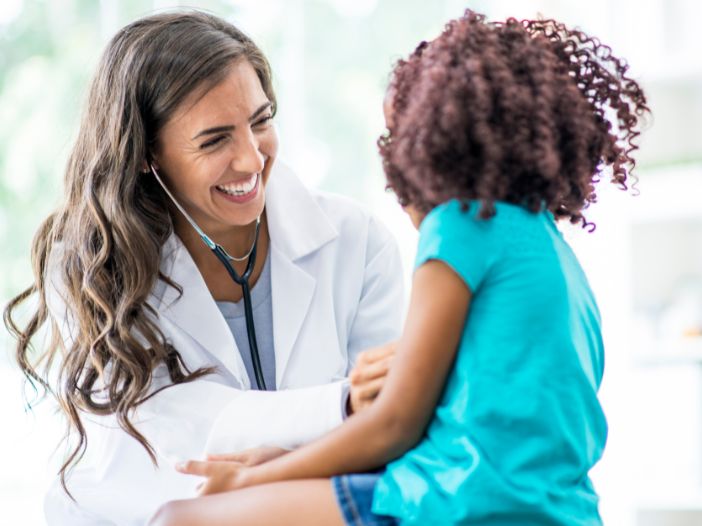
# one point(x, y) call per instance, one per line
point(229, 193)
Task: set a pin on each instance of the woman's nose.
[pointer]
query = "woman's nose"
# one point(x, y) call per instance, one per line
point(248, 157)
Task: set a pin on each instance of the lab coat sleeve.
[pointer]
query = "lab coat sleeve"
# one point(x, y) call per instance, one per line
point(286, 419)
point(378, 318)
point(186, 421)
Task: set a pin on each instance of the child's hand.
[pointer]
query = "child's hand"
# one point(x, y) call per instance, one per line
point(222, 475)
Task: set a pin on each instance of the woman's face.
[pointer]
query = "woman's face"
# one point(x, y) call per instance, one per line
point(216, 152)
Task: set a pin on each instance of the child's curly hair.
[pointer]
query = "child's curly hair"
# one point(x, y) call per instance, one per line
point(528, 112)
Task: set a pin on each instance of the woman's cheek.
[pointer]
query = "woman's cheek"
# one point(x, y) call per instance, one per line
point(269, 148)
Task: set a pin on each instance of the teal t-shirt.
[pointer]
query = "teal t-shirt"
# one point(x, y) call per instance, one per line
point(519, 425)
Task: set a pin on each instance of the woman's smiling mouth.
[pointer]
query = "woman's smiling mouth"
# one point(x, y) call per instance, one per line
point(242, 191)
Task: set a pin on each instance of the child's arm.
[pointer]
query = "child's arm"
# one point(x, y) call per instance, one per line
point(397, 419)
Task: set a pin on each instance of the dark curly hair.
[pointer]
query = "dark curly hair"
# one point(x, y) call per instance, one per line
point(527, 112)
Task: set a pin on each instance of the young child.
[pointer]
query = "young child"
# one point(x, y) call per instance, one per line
point(489, 414)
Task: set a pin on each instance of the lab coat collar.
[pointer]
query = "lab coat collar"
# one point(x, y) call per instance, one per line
point(296, 223)
point(298, 227)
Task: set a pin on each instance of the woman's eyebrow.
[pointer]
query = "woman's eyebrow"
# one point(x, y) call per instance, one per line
point(263, 107)
point(210, 131)
point(226, 128)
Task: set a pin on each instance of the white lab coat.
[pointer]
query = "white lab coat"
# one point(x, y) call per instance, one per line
point(336, 289)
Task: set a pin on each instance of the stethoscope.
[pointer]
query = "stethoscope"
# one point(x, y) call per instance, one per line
point(242, 280)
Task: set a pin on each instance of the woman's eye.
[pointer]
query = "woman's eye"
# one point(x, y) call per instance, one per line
point(263, 120)
point(213, 142)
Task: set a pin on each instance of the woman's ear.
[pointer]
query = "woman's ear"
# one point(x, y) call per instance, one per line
point(147, 164)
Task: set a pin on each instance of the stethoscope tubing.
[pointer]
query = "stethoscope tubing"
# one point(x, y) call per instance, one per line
point(242, 280)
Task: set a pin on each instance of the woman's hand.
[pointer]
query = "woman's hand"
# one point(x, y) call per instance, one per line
point(222, 475)
point(229, 471)
point(368, 376)
point(251, 457)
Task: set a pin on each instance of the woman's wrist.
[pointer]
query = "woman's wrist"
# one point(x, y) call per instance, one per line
point(257, 475)
point(285, 467)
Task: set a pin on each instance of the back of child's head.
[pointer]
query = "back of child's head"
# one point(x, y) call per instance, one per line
point(527, 112)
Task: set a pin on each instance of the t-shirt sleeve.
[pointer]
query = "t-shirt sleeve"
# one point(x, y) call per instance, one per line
point(459, 238)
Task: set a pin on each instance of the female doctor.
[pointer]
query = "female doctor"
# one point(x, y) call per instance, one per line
point(202, 300)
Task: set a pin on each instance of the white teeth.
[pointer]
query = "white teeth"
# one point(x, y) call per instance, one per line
point(241, 188)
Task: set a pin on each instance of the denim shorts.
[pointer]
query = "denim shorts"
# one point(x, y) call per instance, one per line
point(354, 493)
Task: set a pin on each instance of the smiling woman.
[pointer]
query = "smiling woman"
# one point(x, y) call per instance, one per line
point(221, 164)
point(220, 149)
point(153, 350)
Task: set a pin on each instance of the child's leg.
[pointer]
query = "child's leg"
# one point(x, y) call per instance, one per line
point(297, 502)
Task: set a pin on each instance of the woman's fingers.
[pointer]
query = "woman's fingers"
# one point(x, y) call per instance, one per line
point(376, 353)
point(373, 363)
point(362, 396)
point(368, 375)
point(195, 467)
point(205, 488)
point(209, 487)
point(250, 457)
point(228, 457)
point(206, 468)
point(370, 371)
point(370, 389)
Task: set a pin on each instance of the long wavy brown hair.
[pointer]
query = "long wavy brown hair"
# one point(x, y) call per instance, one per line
point(524, 111)
point(100, 250)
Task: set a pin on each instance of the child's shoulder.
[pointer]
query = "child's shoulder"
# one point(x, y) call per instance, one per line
point(463, 218)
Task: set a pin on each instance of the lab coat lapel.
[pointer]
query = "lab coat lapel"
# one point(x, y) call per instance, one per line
point(196, 311)
point(297, 227)
point(292, 290)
